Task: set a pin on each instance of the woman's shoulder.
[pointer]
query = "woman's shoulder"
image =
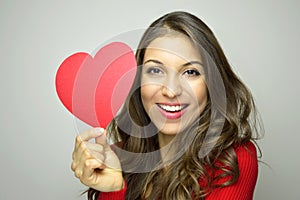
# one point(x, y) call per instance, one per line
point(247, 163)
point(246, 154)
point(244, 186)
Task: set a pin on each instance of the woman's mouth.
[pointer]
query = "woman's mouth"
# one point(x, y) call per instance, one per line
point(172, 111)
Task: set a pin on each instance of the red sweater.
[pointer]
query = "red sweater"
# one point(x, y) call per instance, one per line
point(242, 189)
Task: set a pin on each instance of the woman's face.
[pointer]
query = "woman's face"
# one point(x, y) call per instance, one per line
point(173, 88)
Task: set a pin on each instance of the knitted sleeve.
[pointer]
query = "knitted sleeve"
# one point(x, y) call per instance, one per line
point(243, 189)
point(117, 195)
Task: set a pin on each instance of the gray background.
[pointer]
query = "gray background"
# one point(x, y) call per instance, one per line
point(260, 39)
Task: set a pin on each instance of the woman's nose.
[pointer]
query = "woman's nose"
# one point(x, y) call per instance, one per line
point(172, 87)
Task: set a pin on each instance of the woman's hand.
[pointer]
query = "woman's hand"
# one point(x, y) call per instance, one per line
point(95, 164)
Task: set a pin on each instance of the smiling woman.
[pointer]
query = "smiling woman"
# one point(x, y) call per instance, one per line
point(172, 89)
point(184, 131)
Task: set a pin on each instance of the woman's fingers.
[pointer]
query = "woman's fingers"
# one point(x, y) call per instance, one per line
point(111, 159)
point(102, 140)
point(87, 135)
point(95, 164)
point(91, 152)
point(94, 147)
point(85, 150)
point(89, 172)
point(82, 144)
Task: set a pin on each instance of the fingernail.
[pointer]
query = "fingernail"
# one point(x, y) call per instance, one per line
point(99, 130)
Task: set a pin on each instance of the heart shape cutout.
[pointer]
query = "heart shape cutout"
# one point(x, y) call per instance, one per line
point(94, 89)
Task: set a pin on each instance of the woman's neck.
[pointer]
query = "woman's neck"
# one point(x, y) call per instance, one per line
point(164, 139)
point(165, 151)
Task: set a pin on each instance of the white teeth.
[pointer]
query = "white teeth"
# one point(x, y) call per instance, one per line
point(171, 108)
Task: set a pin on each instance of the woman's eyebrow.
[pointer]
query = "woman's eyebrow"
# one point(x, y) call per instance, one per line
point(184, 65)
point(192, 63)
point(155, 61)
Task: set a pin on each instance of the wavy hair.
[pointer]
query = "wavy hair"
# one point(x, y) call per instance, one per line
point(233, 124)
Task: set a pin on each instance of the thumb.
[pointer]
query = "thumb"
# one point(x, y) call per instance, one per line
point(102, 139)
point(111, 160)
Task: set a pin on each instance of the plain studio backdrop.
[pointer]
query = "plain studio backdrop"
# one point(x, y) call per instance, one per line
point(260, 39)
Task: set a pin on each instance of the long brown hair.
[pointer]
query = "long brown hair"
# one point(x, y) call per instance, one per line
point(180, 180)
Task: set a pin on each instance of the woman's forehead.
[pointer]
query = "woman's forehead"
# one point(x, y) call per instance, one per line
point(172, 47)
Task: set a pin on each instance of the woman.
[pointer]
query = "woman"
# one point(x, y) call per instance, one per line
point(185, 130)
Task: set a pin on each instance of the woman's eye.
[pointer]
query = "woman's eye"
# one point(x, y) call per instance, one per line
point(154, 70)
point(192, 72)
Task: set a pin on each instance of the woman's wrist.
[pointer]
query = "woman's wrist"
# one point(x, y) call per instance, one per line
point(123, 185)
point(118, 185)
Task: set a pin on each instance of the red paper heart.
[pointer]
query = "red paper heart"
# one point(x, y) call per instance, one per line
point(94, 89)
